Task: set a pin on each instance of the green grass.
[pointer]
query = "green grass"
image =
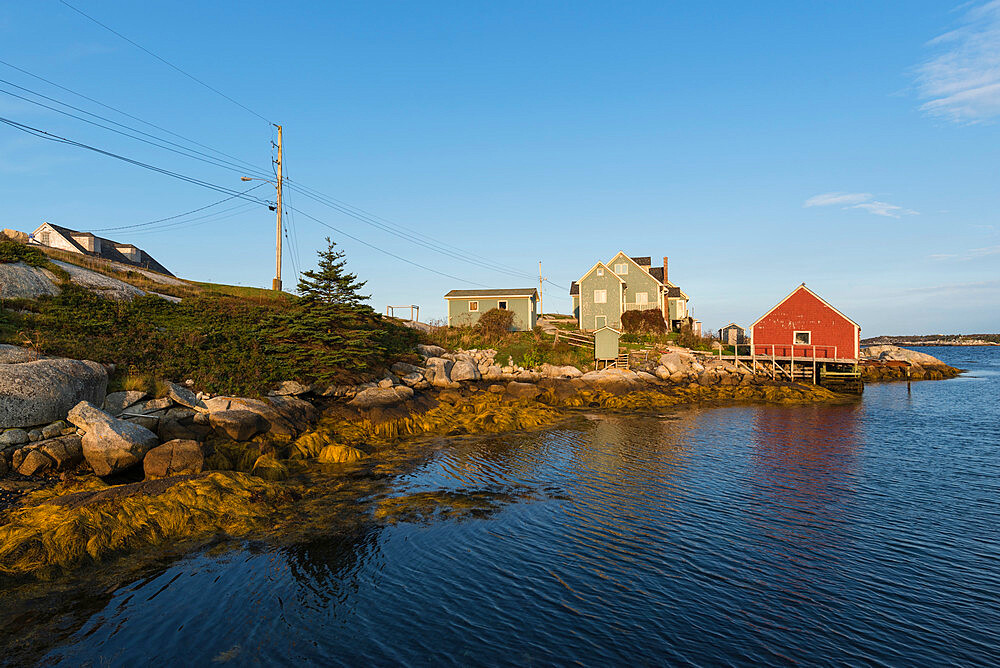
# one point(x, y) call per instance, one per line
point(245, 292)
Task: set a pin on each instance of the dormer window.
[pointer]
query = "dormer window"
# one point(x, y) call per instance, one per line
point(600, 272)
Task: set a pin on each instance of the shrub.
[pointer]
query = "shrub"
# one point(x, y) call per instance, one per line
point(11, 251)
point(648, 321)
point(494, 324)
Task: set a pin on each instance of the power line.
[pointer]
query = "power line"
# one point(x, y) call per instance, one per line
point(181, 150)
point(179, 215)
point(389, 253)
point(42, 134)
point(358, 214)
point(128, 115)
point(165, 61)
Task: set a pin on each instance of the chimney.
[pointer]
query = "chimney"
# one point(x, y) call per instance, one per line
point(665, 270)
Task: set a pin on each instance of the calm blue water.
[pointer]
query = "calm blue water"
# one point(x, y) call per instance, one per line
point(862, 534)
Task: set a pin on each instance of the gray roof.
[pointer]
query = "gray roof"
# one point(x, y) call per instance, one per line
point(508, 292)
point(657, 273)
point(643, 261)
point(574, 288)
point(673, 291)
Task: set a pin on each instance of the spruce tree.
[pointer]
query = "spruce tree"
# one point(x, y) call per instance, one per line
point(331, 283)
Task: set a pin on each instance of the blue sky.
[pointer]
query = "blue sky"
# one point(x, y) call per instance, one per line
point(852, 145)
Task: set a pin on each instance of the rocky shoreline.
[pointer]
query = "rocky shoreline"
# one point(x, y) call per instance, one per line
point(189, 453)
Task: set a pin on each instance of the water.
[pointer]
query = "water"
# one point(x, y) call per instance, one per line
point(859, 534)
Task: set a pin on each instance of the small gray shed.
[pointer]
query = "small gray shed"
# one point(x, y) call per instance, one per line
point(606, 344)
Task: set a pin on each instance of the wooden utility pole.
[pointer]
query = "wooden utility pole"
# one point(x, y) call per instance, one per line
point(276, 283)
point(541, 311)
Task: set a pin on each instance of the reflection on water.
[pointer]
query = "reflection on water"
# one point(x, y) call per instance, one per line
point(820, 535)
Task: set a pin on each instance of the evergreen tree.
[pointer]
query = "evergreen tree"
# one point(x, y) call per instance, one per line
point(331, 283)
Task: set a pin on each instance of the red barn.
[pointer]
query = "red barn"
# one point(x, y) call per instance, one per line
point(804, 325)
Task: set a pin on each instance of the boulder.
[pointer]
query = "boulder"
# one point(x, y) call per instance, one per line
point(65, 451)
point(662, 372)
point(173, 458)
point(110, 444)
point(185, 397)
point(413, 379)
point(116, 402)
point(380, 396)
point(16, 355)
point(493, 372)
point(170, 429)
point(290, 388)
point(439, 371)
point(464, 370)
point(35, 435)
point(42, 391)
point(53, 430)
point(430, 351)
point(678, 362)
point(891, 353)
point(21, 281)
point(34, 462)
point(646, 377)
point(553, 371)
point(518, 390)
point(298, 412)
point(150, 406)
point(385, 383)
point(280, 425)
point(402, 369)
point(239, 425)
point(11, 437)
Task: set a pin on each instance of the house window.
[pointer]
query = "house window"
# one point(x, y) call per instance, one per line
point(803, 338)
point(44, 238)
point(600, 296)
point(600, 321)
point(502, 306)
point(600, 272)
point(473, 307)
point(621, 269)
point(642, 298)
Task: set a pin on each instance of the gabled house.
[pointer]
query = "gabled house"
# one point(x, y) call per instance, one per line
point(465, 306)
point(804, 325)
point(626, 283)
point(85, 243)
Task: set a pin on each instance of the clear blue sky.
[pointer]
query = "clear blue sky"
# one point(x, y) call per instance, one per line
point(849, 145)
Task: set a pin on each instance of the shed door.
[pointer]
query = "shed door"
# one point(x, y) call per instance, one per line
point(600, 321)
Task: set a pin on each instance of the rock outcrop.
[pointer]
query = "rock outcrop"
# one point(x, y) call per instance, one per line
point(110, 445)
point(174, 458)
point(42, 391)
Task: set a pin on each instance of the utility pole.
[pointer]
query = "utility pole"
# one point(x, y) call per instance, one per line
point(541, 310)
point(276, 283)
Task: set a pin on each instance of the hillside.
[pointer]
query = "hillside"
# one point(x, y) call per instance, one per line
point(153, 327)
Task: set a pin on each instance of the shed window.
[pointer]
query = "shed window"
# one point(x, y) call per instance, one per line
point(45, 238)
point(600, 272)
point(642, 298)
point(600, 321)
point(502, 305)
point(473, 306)
point(803, 338)
point(621, 269)
point(600, 296)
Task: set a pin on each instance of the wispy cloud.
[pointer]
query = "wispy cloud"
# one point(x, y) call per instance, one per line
point(831, 199)
point(962, 81)
point(971, 254)
point(955, 289)
point(863, 201)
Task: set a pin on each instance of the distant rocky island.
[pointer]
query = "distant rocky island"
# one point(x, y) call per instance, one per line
point(935, 340)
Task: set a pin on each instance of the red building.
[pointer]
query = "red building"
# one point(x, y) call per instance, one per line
point(804, 325)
